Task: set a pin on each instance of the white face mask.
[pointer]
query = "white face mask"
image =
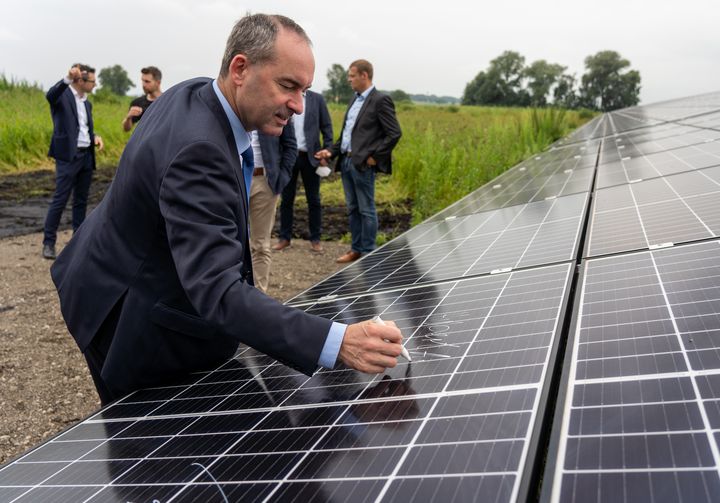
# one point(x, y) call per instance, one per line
point(322, 171)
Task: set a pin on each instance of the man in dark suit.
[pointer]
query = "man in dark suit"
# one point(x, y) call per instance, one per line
point(314, 120)
point(274, 158)
point(369, 134)
point(71, 145)
point(158, 281)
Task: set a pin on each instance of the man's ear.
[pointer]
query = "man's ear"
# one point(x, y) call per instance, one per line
point(239, 66)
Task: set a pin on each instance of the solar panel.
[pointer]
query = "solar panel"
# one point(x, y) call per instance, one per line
point(519, 304)
point(711, 120)
point(630, 169)
point(655, 212)
point(554, 173)
point(641, 416)
point(652, 141)
point(481, 243)
point(461, 419)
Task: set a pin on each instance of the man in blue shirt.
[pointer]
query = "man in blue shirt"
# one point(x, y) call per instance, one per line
point(369, 134)
point(158, 281)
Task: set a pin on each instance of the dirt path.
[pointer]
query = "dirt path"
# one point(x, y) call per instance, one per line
point(44, 381)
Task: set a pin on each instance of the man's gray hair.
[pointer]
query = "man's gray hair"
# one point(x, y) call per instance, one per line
point(254, 36)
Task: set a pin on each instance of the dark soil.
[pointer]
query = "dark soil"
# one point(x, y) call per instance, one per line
point(24, 200)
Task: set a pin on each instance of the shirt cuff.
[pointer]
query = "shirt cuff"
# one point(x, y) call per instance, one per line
point(330, 350)
point(67, 80)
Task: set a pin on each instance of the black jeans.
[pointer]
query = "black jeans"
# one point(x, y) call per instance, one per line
point(311, 182)
point(74, 176)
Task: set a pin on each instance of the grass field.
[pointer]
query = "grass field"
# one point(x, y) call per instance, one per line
point(445, 152)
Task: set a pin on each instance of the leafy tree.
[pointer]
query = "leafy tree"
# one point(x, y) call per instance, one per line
point(541, 77)
point(564, 93)
point(398, 95)
point(340, 90)
point(501, 84)
point(608, 84)
point(116, 79)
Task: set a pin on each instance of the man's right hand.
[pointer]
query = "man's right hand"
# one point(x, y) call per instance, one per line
point(370, 347)
point(74, 73)
point(323, 154)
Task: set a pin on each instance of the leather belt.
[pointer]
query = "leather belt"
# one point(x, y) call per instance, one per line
point(258, 171)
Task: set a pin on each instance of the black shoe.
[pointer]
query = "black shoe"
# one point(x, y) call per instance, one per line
point(49, 252)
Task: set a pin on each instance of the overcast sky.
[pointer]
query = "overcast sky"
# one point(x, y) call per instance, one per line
point(429, 47)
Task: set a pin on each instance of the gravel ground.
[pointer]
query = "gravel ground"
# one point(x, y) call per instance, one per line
point(45, 384)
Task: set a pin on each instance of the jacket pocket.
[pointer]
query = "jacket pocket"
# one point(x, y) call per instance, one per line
point(179, 321)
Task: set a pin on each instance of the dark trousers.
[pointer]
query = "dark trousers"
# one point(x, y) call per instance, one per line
point(359, 189)
point(311, 182)
point(74, 176)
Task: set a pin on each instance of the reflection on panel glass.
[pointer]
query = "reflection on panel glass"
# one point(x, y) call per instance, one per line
point(519, 236)
point(652, 213)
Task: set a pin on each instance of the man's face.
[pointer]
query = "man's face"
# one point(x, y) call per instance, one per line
point(272, 92)
point(149, 84)
point(358, 80)
point(87, 82)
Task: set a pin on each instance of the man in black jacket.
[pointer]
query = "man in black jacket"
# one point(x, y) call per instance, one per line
point(71, 145)
point(369, 134)
point(314, 121)
point(158, 281)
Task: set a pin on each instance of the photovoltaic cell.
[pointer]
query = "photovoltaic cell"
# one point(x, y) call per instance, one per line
point(651, 213)
point(559, 171)
point(457, 423)
point(640, 419)
point(519, 236)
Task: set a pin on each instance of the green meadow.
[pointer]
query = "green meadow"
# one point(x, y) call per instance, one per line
point(445, 151)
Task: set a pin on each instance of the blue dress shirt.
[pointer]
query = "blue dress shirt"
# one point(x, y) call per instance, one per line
point(330, 350)
point(352, 115)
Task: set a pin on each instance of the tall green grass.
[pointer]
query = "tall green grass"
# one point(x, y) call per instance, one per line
point(445, 151)
point(448, 151)
point(26, 126)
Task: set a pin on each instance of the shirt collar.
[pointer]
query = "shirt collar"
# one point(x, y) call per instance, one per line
point(82, 98)
point(362, 96)
point(242, 138)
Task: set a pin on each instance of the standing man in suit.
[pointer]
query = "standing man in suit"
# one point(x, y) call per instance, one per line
point(158, 281)
point(151, 76)
point(72, 146)
point(369, 134)
point(274, 158)
point(314, 120)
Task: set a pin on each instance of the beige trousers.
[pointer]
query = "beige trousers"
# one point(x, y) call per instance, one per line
point(263, 204)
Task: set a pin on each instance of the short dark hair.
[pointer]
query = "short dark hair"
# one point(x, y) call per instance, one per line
point(254, 36)
point(363, 65)
point(85, 68)
point(154, 71)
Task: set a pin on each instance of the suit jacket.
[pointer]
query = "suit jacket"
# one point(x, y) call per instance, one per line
point(317, 121)
point(375, 133)
point(63, 145)
point(279, 154)
point(163, 262)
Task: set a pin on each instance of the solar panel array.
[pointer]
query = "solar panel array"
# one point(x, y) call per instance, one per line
point(564, 325)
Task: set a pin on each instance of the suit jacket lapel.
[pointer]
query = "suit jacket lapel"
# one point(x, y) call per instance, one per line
point(365, 105)
point(208, 96)
point(310, 110)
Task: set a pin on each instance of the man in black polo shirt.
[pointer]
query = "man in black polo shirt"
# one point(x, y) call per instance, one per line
point(151, 77)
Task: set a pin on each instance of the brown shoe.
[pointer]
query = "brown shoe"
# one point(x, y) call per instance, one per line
point(350, 256)
point(281, 245)
point(316, 246)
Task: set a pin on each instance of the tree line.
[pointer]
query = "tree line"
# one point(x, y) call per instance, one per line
point(607, 84)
